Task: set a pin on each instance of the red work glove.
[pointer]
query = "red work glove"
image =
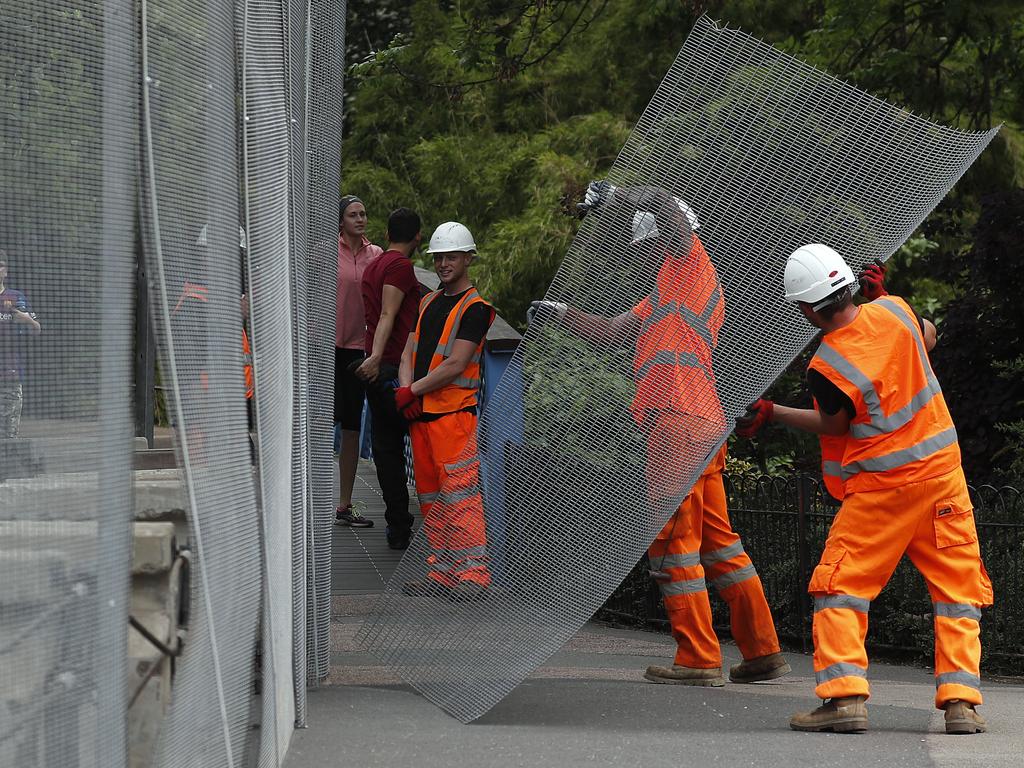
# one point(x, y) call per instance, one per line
point(872, 281)
point(757, 415)
point(408, 404)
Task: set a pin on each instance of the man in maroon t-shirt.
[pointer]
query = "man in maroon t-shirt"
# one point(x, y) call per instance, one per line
point(391, 298)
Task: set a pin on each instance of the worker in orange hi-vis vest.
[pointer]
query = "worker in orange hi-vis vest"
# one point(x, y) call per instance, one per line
point(674, 330)
point(440, 379)
point(896, 466)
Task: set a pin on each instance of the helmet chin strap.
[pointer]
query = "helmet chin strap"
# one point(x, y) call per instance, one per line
point(834, 298)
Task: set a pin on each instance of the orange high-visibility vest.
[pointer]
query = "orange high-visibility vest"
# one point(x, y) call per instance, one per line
point(832, 450)
point(901, 431)
point(247, 364)
point(680, 322)
point(461, 393)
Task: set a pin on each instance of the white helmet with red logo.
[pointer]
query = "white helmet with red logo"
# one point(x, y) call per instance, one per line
point(815, 272)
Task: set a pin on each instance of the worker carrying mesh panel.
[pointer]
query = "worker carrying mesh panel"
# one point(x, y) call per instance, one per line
point(673, 332)
point(902, 486)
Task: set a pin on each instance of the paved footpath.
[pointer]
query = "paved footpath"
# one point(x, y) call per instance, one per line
point(589, 705)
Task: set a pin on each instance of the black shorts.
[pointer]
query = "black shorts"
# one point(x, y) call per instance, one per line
point(349, 390)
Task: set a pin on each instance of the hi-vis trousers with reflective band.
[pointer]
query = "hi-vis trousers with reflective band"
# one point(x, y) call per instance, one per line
point(444, 457)
point(932, 521)
point(699, 542)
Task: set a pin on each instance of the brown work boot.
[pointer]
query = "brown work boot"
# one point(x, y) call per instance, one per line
point(961, 718)
point(677, 675)
point(759, 668)
point(848, 714)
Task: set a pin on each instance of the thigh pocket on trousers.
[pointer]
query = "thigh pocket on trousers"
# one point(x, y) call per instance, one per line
point(825, 576)
point(954, 521)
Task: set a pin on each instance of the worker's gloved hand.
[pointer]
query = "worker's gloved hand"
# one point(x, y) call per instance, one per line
point(408, 404)
point(758, 414)
point(546, 310)
point(598, 193)
point(872, 281)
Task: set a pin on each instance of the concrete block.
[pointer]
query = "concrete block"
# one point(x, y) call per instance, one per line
point(153, 546)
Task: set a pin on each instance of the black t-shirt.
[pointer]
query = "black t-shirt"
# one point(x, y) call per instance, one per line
point(475, 322)
point(830, 397)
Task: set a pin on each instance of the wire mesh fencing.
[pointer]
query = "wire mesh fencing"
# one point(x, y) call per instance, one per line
point(784, 522)
point(68, 145)
point(195, 143)
point(665, 319)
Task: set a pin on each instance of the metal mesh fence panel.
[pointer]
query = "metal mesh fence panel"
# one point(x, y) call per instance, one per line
point(612, 407)
point(191, 223)
point(67, 157)
point(267, 206)
point(324, 66)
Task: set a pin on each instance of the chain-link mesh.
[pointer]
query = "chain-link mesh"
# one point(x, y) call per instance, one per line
point(68, 144)
point(613, 404)
point(191, 218)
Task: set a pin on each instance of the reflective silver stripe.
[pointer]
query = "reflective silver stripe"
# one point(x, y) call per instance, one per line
point(735, 577)
point(427, 498)
point(839, 669)
point(461, 494)
point(446, 349)
point(461, 464)
point(454, 555)
point(879, 423)
point(698, 322)
point(958, 678)
point(900, 418)
point(853, 374)
point(466, 383)
point(900, 458)
point(664, 357)
point(468, 565)
point(725, 553)
point(669, 588)
point(858, 604)
point(247, 358)
point(833, 468)
point(957, 611)
point(675, 560)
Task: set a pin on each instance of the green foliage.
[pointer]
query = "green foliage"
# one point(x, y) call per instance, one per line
point(562, 364)
point(497, 114)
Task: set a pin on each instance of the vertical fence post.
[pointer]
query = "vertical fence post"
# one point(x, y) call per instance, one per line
point(804, 500)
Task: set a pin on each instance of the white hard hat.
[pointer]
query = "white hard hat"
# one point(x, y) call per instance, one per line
point(645, 226)
point(451, 236)
point(814, 272)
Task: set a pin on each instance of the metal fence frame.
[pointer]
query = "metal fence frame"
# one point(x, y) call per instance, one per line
point(784, 521)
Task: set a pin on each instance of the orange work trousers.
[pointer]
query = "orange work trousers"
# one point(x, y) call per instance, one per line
point(448, 485)
point(932, 521)
point(698, 542)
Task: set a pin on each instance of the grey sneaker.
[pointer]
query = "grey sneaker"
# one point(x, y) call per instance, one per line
point(349, 516)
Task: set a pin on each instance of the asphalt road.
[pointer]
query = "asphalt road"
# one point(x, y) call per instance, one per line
point(589, 705)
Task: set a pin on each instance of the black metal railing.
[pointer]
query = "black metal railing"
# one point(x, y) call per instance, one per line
point(784, 522)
